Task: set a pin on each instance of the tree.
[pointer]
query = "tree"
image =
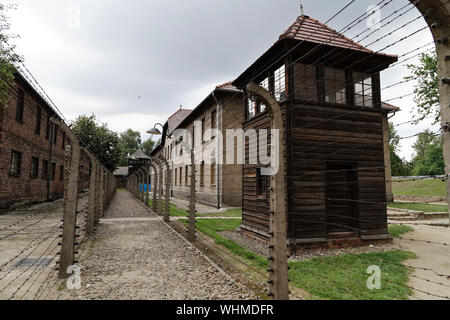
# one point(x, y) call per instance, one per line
point(99, 139)
point(7, 56)
point(399, 167)
point(129, 142)
point(148, 146)
point(429, 158)
point(426, 91)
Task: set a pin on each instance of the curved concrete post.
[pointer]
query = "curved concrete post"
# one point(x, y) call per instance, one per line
point(168, 185)
point(279, 281)
point(437, 16)
point(160, 189)
point(72, 172)
point(92, 195)
point(147, 182)
point(154, 165)
point(191, 221)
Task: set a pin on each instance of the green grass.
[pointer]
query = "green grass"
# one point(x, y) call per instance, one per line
point(419, 206)
point(339, 277)
point(174, 210)
point(236, 213)
point(430, 187)
point(344, 277)
point(397, 230)
point(213, 227)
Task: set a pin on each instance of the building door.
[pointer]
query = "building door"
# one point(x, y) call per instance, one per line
point(341, 190)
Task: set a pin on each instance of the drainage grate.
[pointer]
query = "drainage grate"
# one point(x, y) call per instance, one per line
point(35, 262)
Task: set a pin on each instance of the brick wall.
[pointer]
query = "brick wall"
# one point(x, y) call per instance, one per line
point(32, 141)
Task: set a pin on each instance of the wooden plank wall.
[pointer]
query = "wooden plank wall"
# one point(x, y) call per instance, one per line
point(318, 135)
point(322, 134)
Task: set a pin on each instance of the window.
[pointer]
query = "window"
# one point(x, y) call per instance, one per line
point(16, 163)
point(181, 175)
point(203, 130)
point(53, 173)
point(34, 171)
point(305, 82)
point(55, 134)
point(37, 130)
point(265, 85)
point(213, 174)
point(47, 128)
point(186, 170)
point(63, 141)
point(20, 105)
point(280, 83)
point(363, 89)
point(251, 108)
point(202, 174)
point(213, 122)
point(262, 183)
point(193, 135)
point(44, 169)
point(61, 173)
point(335, 85)
point(176, 176)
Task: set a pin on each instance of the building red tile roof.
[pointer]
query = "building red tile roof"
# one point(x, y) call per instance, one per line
point(227, 86)
point(309, 29)
point(175, 119)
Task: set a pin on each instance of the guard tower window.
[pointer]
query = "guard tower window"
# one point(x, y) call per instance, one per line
point(280, 83)
point(335, 85)
point(363, 89)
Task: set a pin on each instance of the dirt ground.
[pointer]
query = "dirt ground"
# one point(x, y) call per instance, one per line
point(29, 249)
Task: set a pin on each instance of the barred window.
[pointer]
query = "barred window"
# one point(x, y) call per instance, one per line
point(44, 169)
point(53, 173)
point(213, 119)
point(305, 81)
point(34, 171)
point(202, 174)
point(265, 85)
point(38, 120)
point(16, 163)
point(335, 85)
point(176, 176)
point(363, 89)
point(262, 183)
point(280, 83)
point(186, 175)
point(251, 108)
point(20, 105)
point(61, 173)
point(213, 174)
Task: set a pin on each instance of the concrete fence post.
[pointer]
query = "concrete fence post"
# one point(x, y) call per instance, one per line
point(97, 194)
point(168, 185)
point(191, 224)
point(92, 197)
point(72, 171)
point(155, 185)
point(278, 280)
point(160, 189)
point(147, 190)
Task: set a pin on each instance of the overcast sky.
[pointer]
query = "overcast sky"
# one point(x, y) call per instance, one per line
point(133, 63)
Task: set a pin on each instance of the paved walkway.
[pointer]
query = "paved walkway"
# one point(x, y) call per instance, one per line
point(430, 256)
point(135, 255)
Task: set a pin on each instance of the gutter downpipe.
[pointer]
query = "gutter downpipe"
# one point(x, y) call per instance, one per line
point(219, 152)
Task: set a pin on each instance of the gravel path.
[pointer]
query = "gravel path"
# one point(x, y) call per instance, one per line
point(146, 259)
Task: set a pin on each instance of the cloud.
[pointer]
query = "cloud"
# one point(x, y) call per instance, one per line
point(133, 63)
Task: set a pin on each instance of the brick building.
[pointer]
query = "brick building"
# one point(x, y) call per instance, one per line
point(32, 149)
point(217, 183)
